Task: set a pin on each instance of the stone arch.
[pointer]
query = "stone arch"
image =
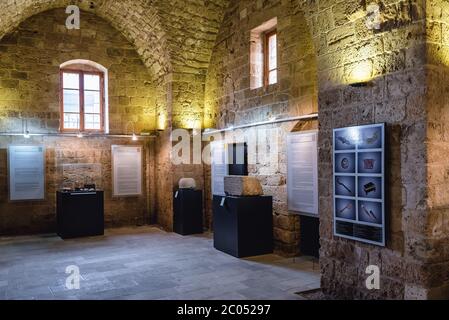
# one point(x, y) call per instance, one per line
point(137, 20)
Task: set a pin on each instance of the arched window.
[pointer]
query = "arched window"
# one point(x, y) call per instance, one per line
point(83, 97)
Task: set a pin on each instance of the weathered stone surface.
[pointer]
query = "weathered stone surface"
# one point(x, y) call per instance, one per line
point(242, 186)
point(198, 74)
point(29, 90)
point(187, 183)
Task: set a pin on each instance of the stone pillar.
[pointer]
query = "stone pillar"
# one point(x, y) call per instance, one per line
point(391, 56)
point(430, 225)
point(185, 99)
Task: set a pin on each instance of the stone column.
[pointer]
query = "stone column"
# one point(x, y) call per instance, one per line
point(391, 58)
point(185, 99)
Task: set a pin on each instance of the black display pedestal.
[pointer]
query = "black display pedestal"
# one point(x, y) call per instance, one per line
point(188, 211)
point(80, 214)
point(243, 226)
point(309, 243)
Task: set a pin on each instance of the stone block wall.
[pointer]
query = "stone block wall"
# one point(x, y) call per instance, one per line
point(63, 155)
point(392, 58)
point(196, 70)
point(434, 227)
point(30, 57)
point(230, 101)
point(29, 73)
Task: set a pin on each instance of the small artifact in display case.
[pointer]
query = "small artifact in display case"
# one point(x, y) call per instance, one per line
point(368, 164)
point(343, 185)
point(369, 187)
point(242, 186)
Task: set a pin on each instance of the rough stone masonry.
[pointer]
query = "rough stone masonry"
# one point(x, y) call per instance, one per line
point(187, 63)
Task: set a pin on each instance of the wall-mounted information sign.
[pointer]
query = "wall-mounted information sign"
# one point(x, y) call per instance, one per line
point(219, 167)
point(127, 170)
point(26, 173)
point(302, 172)
point(359, 183)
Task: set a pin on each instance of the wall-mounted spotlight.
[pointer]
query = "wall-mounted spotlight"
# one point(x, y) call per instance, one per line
point(79, 135)
point(26, 133)
point(134, 138)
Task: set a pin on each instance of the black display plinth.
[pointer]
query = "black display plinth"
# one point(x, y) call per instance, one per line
point(188, 211)
point(243, 226)
point(309, 243)
point(80, 214)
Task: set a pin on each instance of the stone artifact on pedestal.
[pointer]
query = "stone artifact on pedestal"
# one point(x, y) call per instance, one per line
point(242, 186)
point(243, 219)
point(187, 183)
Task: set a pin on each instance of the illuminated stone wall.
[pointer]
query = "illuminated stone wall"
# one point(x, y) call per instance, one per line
point(200, 78)
point(29, 78)
point(433, 224)
point(230, 101)
point(392, 57)
point(30, 57)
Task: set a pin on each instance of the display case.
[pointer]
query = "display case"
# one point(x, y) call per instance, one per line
point(243, 226)
point(80, 213)
point(188, 211)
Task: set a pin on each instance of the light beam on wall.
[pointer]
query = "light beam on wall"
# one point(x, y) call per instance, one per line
point(361, 74)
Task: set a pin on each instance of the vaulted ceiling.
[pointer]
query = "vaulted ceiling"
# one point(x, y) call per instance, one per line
point(170, 35)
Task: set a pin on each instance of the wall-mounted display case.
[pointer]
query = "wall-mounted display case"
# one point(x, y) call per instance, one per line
point(359, 183)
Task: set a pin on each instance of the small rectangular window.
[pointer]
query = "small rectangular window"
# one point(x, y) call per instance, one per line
point(263, 55)
point(82, 101)
point(270, 58)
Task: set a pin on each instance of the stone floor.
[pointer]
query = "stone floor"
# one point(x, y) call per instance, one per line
point(146, 263)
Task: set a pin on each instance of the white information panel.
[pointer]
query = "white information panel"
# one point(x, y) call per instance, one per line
point(127, 170)
point(302, 172)
point(26, 173)
point(219, 167)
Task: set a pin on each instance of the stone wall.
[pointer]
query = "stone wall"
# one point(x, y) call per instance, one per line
point(30, 58)
point(64, 156)
point(434, 226)
point(198, 73)
point(392, 58)
point(137, 20)
point(29, 73)
point(229, 100)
